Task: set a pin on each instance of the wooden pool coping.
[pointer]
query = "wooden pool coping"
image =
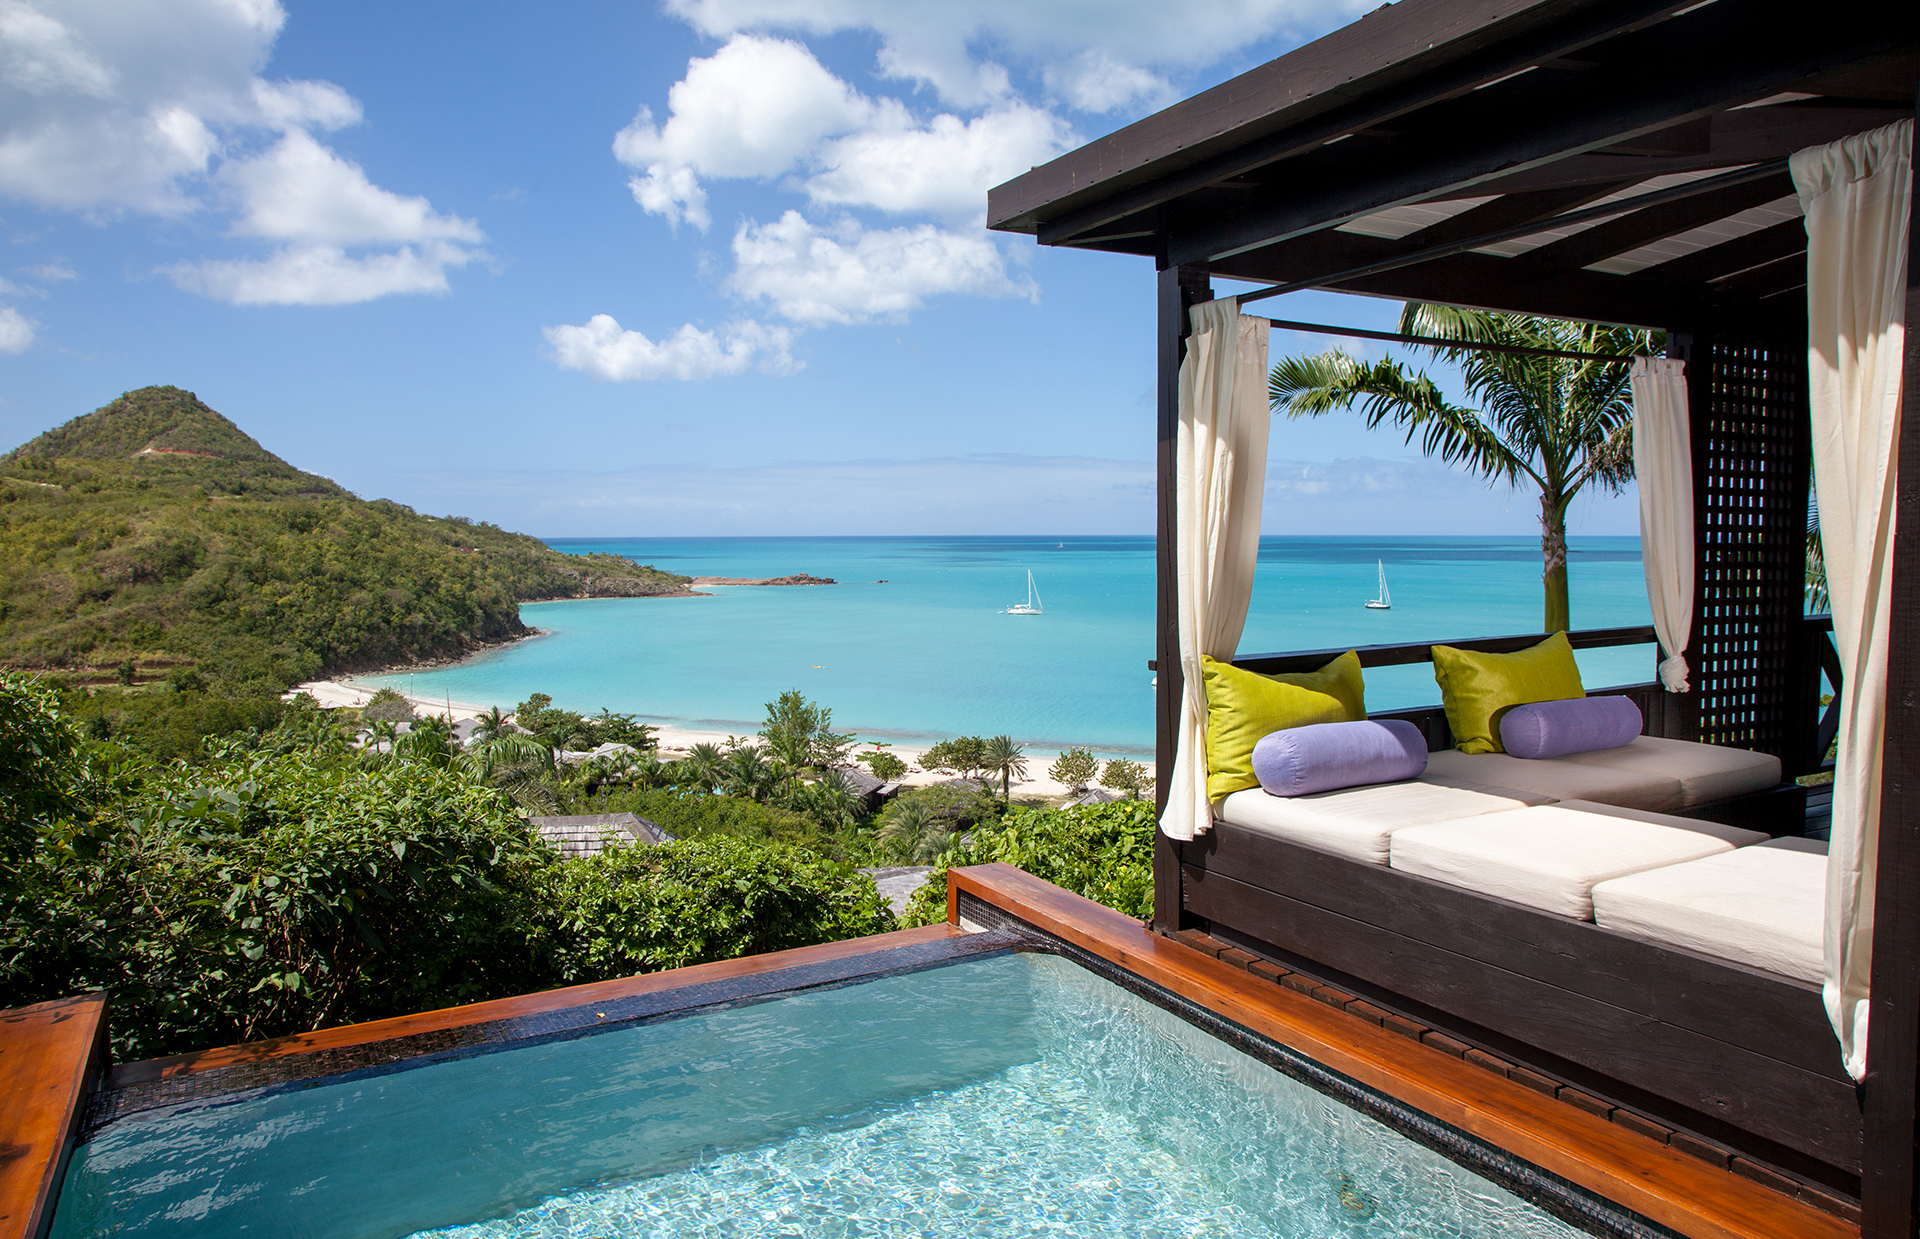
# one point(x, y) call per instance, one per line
point(51, 1055)
point(1653, 1180)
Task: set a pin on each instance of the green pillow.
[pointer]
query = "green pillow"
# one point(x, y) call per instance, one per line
point(1242, 707)
point(1478, 688)
point(1339, 679)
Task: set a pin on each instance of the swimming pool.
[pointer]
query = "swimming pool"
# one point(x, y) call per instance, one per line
point(1015, 1093)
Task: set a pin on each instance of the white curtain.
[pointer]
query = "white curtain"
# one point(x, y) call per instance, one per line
point(1220, 480)
point(1857, 194)
point(1663, 466)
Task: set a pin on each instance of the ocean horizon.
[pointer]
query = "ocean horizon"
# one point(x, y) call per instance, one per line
point(912, 645)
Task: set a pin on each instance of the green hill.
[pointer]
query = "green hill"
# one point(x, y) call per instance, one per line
point(155, 531)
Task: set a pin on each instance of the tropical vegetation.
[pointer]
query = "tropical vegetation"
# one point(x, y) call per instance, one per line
point(1104, 852)
point(1558, 424)
point(291, 880)
point(154, 540)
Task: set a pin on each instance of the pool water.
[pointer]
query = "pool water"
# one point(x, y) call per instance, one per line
point(1014, 1095)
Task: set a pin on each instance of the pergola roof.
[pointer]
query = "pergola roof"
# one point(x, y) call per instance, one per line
point(1433, 149)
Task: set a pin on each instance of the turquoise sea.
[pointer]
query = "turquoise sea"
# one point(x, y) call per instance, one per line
point(928, 654)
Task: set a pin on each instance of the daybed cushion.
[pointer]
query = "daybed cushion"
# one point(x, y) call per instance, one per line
point(1763, 906)
point(1551, 856)
point(1356, 822)
point(1243, 706)
point(1706, 772)
point(1560, 778)
point(1542, 729)
point(1328, 756)
point(1476, 688)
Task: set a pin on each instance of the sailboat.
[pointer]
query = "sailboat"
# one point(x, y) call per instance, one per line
point(1385, 601)
point(1032, 605)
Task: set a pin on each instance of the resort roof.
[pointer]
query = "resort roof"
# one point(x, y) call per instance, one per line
point(1439, 150)
point(585, 834)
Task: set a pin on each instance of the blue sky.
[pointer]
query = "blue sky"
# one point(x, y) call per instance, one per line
point(700, 267)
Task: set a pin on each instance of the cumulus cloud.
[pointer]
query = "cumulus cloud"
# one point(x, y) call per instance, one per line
point(944, 167)
point(322, 275)
point(157, 107)
point(300, 190)
point(16, 331)
point(752, 109)
point(1094, 81)
point(604, 349)
point(849, 274)
point(763, 108)
point(1116, 42)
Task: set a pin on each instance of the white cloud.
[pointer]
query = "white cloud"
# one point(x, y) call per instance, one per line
point(1094, 81)
point(51, 272)
point(16, 331)
point(847, 274)
point(43, 57)
point(157, 106)
point(322, 275)
point(944, 167)
point(751, 109)
point(300, 190)
point(933, 41)
point(606, 350)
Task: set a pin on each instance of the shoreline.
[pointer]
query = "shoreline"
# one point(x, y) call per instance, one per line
point(674, 741)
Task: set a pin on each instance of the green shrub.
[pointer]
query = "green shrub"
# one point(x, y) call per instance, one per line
point(169, 725)
point(279, 895)
point(696, 814)
point(1104, 852)
point(39, 760)
point(639, 909)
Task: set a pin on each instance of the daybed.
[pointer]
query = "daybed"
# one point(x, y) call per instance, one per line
point(1472, 905)
point(1651, 773)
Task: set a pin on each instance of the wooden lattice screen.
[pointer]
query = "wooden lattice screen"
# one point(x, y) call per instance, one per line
point(1750, 457)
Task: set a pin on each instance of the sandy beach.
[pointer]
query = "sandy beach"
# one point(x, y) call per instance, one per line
point(675, 741)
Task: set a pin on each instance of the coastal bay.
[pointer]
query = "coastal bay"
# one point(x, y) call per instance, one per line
point(930, 655)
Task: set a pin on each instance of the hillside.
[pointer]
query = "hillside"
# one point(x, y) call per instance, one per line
point(156, 531)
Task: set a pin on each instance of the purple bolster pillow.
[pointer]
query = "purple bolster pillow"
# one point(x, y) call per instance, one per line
point(1325, 756)
point(1576, 725)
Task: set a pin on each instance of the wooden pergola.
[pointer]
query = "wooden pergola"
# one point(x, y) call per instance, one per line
point(1620, 161)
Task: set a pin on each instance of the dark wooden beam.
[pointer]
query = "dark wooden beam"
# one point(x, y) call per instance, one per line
point(1510, 211)
point(1758, 283)
point(1742, 136)
point(1706, 61)
point(1486, 282)
point(1180, 289)
point(1407, 255)
point(1782, 240)
point(1887, 1179)
point(1394, 60)
point(1644, 227)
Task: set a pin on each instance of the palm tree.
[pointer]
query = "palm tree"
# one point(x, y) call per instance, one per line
point(916, 835)
point(518, 765)
point(1003, 757)
point(491, 724)
point(702, 765)
point(1556, 422)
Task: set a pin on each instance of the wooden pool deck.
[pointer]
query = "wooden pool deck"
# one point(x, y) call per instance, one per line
point(1654, 1180)
point(51, 1055)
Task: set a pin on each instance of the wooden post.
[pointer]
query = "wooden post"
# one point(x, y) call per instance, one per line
point(1887, 1171)
point(1180, 289)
